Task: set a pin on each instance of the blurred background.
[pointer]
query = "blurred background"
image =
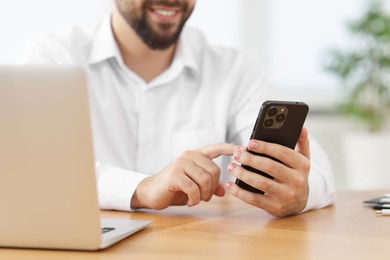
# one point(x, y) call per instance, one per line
point(332, 54)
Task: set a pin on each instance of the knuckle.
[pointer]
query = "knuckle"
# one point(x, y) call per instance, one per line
point(212, 168)
point(269, 165)
point(192, 188)
point(186, 153)
point(276, 167)
point(215, 169)
point(235, 191)
point(273, 167)
point(264, 147)
point(285, 155)
point(265, 186)
point(205, 179)
point(290, 195)
point(180, 160)
point(246, 158)
point(252, 200)
point(239, 172)
point(300, 181)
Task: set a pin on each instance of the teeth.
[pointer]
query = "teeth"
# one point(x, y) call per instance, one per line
point(165, 12)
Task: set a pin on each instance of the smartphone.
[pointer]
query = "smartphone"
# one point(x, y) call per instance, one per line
point(278, 122)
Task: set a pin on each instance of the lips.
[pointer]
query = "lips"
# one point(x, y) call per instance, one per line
point(164, 14)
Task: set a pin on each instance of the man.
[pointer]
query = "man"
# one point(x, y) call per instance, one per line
point(160, 96)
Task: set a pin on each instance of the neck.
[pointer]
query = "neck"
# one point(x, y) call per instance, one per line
point(137, 56)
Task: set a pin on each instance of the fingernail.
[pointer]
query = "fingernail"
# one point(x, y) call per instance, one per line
point(242, 148)
point(229, 185)
point(253, 145)
point(231, 167)
point(237, 155)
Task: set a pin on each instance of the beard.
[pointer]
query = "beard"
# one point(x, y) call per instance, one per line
point(162, 37)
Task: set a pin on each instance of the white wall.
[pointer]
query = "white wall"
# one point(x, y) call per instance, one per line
point(20, 19)
point(290, 39)
point(221, 20)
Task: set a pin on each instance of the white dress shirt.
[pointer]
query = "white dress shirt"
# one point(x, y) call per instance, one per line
point(208, 95)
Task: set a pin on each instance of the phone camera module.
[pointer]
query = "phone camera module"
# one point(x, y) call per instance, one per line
point(275, 117)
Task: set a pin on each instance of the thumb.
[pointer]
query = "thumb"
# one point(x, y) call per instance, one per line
point(303, 146)
point(220, 191)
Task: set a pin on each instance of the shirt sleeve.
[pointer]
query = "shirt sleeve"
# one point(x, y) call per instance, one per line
point(116, 186)
point(322, 188)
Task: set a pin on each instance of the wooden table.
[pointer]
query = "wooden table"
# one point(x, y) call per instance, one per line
point(226, 228)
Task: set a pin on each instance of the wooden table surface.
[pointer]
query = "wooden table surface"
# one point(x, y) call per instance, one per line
point(226, 228)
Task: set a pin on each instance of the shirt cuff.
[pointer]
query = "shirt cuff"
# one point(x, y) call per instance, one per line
point(320, 194)
point(116, 186)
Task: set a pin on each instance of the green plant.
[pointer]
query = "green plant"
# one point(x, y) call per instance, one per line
point(365, 69)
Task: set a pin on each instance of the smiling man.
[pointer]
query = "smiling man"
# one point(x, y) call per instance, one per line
point(147, 32)
point(165, 104)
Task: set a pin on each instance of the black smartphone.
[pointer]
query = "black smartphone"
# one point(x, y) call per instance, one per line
point(278, 122)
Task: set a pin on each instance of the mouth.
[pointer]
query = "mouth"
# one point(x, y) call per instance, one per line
point(164, 14)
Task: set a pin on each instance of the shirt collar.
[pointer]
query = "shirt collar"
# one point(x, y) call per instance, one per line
point(184, 58)
point(184, 54)
point(104, 47)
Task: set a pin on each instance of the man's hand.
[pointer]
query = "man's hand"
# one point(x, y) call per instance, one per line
point(287, 193)
point(191, 178)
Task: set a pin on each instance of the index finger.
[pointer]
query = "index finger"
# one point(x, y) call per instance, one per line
point(215, 150)
point(282, 153)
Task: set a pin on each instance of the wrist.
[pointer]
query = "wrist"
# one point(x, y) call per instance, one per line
point(140, 197)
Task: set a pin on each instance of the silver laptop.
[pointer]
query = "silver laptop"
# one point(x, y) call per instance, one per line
point(48, 195)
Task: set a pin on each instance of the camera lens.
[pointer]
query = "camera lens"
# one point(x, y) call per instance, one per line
point(272, 111)
point(269, 122)
point(280, 118)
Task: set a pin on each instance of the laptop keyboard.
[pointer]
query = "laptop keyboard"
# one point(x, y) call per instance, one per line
point(107, 229)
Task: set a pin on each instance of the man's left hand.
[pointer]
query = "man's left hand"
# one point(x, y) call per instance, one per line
point(287, 193)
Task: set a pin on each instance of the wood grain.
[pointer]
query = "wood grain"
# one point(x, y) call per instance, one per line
point(226, 228)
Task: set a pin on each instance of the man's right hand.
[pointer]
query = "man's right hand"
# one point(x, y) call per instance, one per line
point(191, 178)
